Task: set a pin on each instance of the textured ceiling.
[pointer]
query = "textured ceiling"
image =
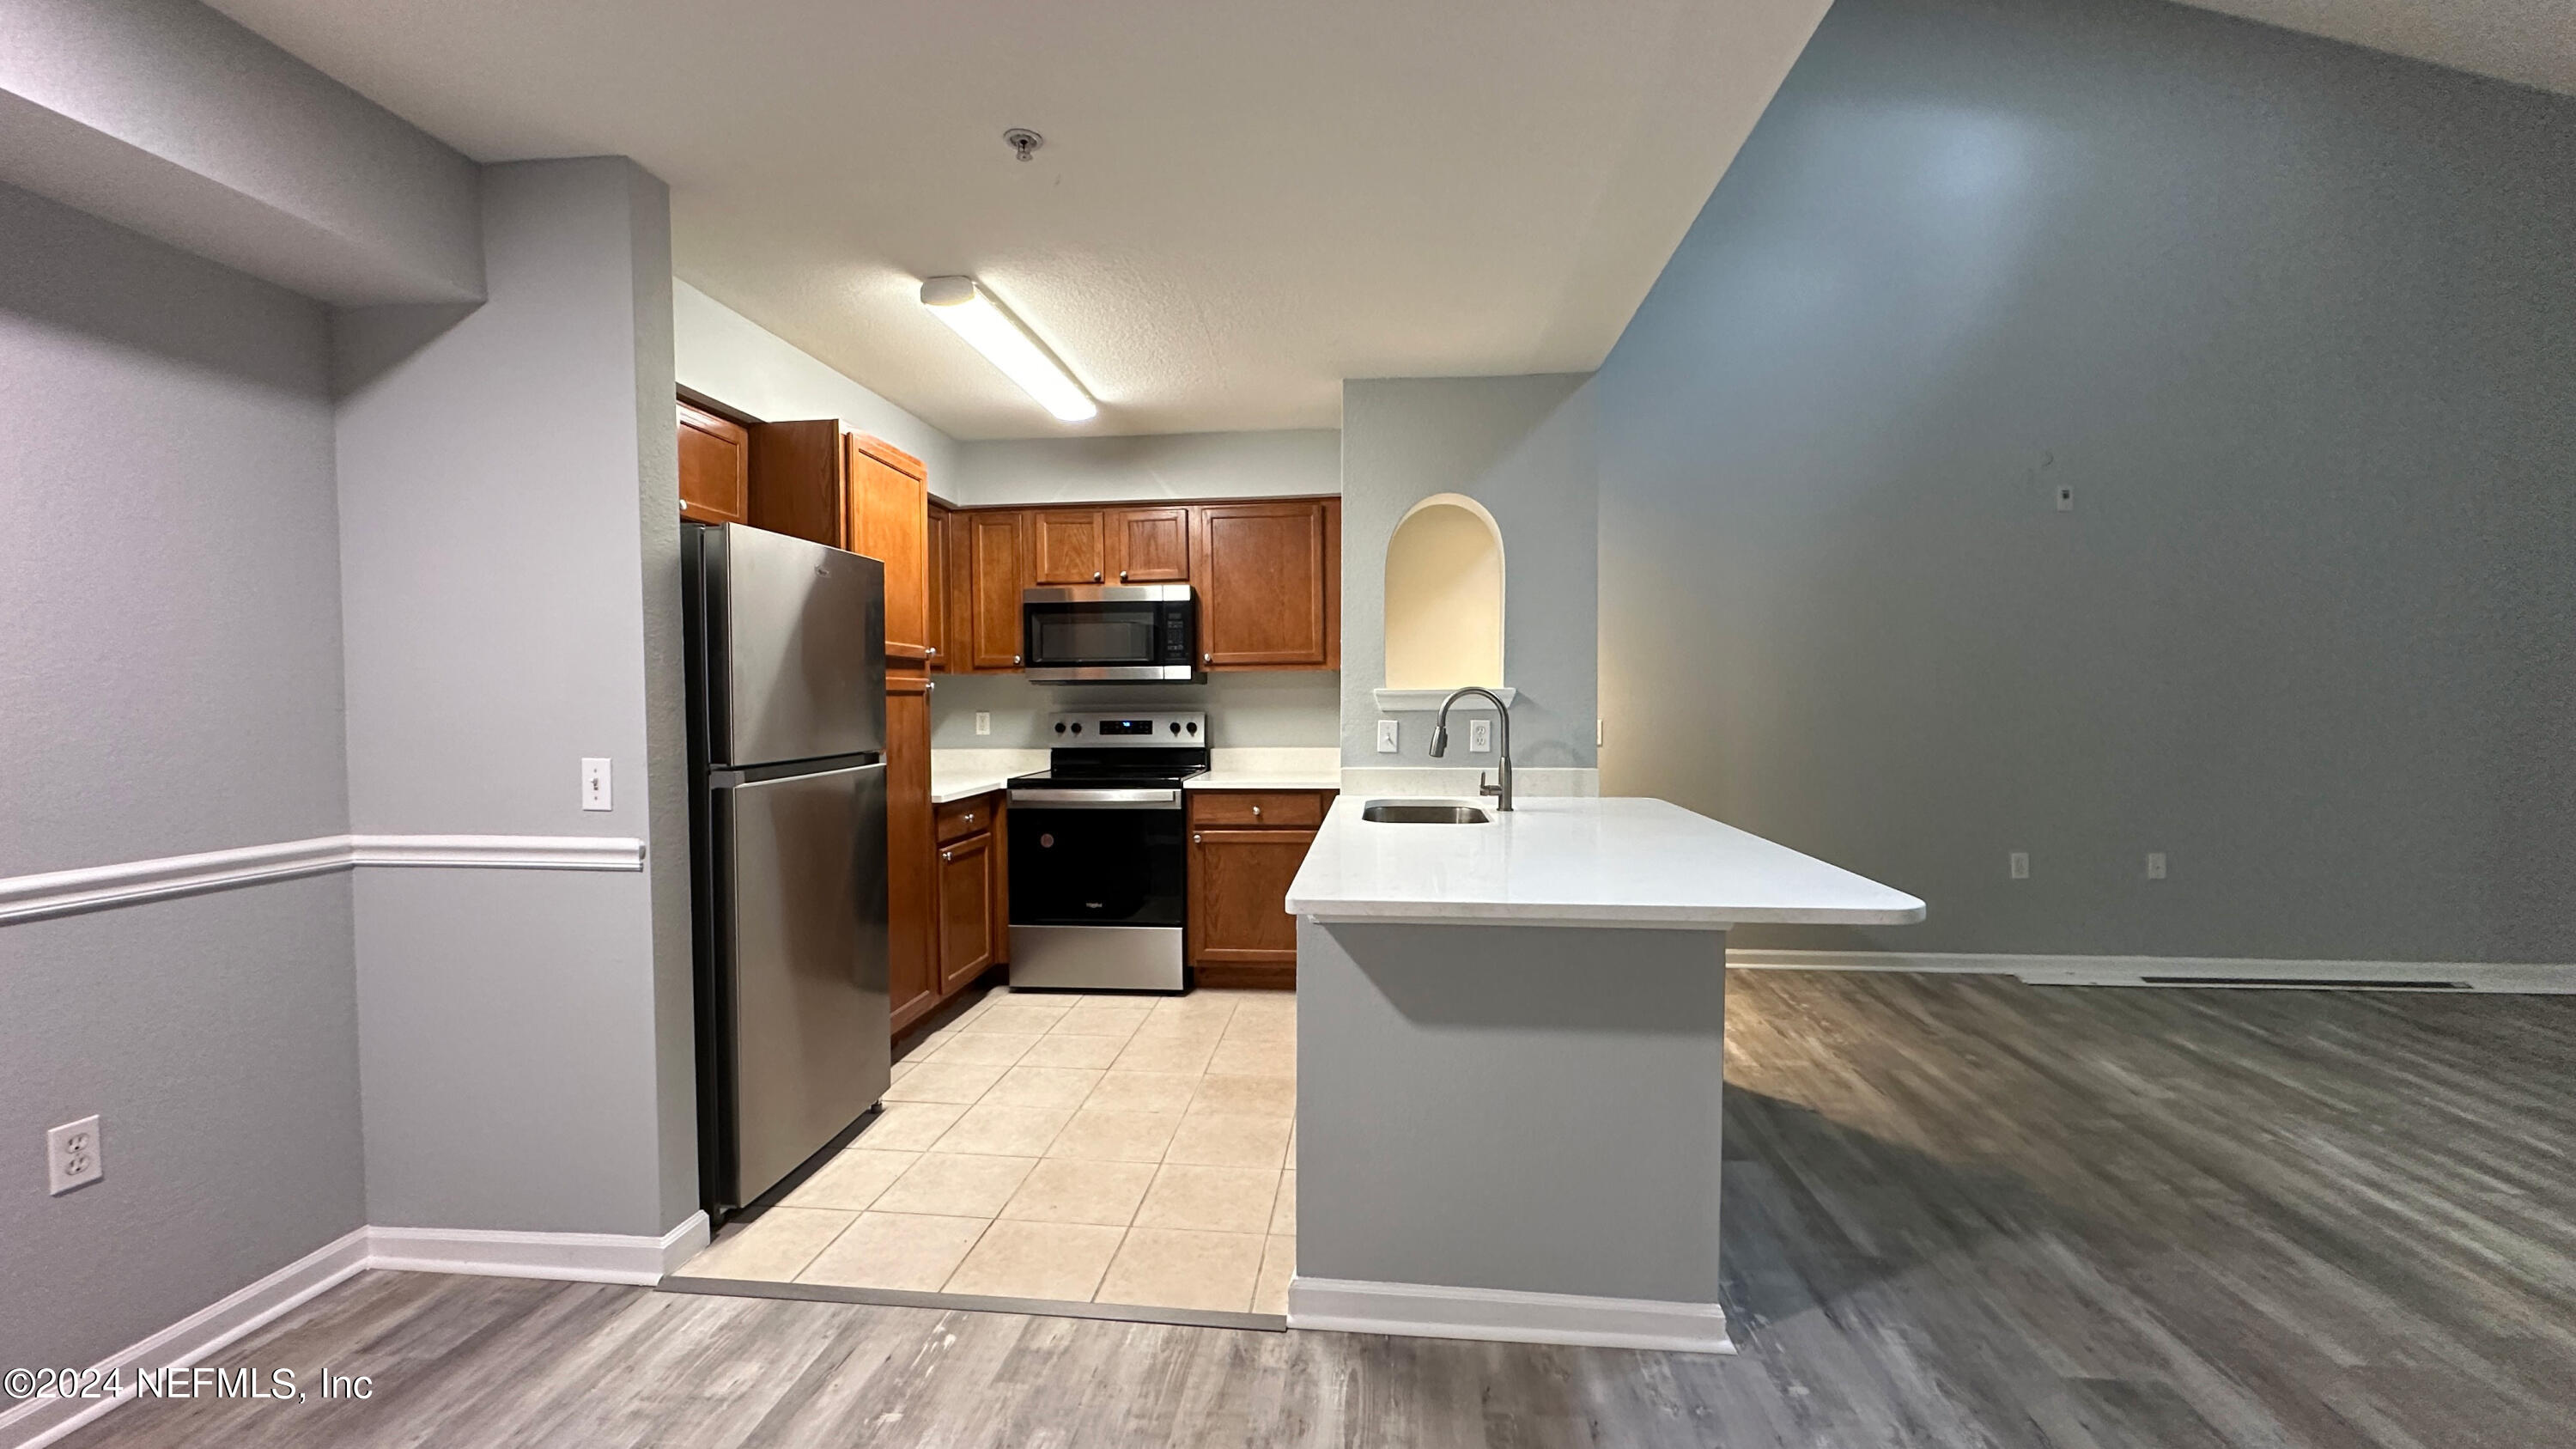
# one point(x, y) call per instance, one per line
point(1238, 204)
point(2529, 42)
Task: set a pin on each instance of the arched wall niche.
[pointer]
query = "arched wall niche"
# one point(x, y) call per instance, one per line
point(1444, 596)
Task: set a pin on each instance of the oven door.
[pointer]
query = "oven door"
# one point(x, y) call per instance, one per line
point(1107, 633)
point(1096, 858)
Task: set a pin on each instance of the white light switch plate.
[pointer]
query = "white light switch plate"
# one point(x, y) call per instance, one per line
point(72, 1156)
point(2155, 865)
point(1386, 737)
point(2020, 864)
point(983, 721)
point(594, 784)
point(1480, 736)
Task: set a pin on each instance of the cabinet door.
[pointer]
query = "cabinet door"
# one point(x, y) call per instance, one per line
point(1239, 895)
point(796, 480)
point(1149, 545)
point(889, 520)
point(935, 561)
point(911, 912)
point(965, 910)
point(1066, 546)
point(715, 468)
point(1269, 582)
point(993, 604)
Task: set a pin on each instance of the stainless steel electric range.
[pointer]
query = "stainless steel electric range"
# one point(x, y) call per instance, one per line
point(1099, 855)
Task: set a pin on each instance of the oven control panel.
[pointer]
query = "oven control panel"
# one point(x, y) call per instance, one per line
point(1110, 729)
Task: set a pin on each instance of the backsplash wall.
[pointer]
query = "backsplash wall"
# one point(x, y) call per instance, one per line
point(1287, 708)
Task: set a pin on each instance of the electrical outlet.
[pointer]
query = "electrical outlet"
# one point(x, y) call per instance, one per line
point(1480, 736)
point(2155, 865)
point(1386, 737)
point(594, 784)
point(983, 721)
point(72, 1156)
point(2019, 862)
point(2065, 500)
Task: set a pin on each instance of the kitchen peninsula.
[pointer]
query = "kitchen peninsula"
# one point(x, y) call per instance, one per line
point(1511, 1055)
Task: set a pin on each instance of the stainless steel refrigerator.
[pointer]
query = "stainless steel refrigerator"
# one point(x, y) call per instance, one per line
point(786, 660)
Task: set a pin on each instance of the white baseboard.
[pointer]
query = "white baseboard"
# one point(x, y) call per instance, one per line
point(2240, 971)
point(42, 1421)
point(567, 1257)
point(99, 887)
point(1423, 1310)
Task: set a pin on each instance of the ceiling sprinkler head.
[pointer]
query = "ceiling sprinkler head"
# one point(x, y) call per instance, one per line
point(1023, 141)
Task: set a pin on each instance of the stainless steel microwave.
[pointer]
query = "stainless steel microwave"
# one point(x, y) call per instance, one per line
point(1109, 632)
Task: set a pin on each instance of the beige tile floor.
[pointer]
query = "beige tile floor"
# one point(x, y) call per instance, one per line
point(1106, 1149)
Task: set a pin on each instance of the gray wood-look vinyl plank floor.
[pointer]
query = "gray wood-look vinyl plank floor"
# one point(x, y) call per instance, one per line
point(1960, 1211)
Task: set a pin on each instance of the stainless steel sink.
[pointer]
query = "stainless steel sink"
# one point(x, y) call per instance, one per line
point(1423, 812)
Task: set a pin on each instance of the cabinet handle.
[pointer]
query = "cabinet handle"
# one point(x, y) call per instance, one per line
point(1207, 659)
point(1195, 839)
point(970, 817)
point(1256, 812)
point(1122, 576)
point(948, 855)
point(1095, 576)
point(1015, 659)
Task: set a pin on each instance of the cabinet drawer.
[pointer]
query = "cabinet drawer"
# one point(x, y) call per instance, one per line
point(1302, 810)
point(961, 818)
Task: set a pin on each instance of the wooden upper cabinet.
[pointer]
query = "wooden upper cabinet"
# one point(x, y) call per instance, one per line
point(1067, 546)
point(796, 480)
point(1148, 545)
point(995, 566)
point(888, 517)
point(935, 555)
point(1269, 579)
point(715, 468)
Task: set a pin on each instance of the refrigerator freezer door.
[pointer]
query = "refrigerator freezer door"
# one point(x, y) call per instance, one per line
point(803, 641)
point(804, 858)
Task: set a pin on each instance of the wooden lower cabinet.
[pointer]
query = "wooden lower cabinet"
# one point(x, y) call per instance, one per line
point(956, 921)
point(1244, 850)
point(965, 910)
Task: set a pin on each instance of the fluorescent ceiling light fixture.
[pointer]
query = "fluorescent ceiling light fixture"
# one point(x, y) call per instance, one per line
point(971, 312)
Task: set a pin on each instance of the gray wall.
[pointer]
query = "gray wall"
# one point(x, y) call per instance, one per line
point(2293, 320)
point(727, 356)
point(1283, 708)
point(165, 116)
point(505, 486)
point(169, 682)
point(1285, 463)
point(1523, 447)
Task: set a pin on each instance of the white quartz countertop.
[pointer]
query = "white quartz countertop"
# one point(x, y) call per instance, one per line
point(1560, 861)
point(1224, 779)
point(965, 774)
point(1256, 767)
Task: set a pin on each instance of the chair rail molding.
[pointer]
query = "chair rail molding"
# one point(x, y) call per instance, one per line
point(104, 887)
